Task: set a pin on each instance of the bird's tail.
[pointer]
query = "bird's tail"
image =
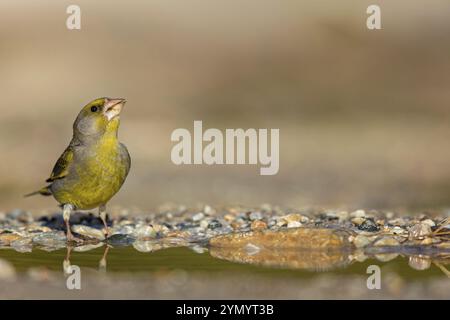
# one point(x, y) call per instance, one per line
point(45, 191)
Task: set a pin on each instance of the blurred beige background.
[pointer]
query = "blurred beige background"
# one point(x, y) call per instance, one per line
point(363, 115)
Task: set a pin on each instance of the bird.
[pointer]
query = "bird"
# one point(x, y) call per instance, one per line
point(94, 166)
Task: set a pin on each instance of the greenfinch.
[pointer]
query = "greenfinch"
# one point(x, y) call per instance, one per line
point(94, 166)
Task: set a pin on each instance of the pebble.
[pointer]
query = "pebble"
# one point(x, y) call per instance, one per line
point(368, 225)
point(386, 242)
point(255, 215)
point(197, 217)
point(229, 217)
point(419, 231)
point(7, 238)
point(258, 225)
point(358, 214)
point(54, 239)
point(342, 215)
point(89, 232)
point(143, 232)
point(294, 224)
point(214, 224)
point(429, 222)
point(204, 224)
point(358, 221)
point(400, 222)
point(398, 230)
point(292, 217)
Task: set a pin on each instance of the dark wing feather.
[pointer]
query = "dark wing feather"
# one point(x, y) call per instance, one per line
point(61, 167)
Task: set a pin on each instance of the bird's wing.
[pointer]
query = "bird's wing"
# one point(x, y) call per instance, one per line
point(61, 167)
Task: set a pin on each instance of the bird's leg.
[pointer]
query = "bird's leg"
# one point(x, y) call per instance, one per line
point(67, 210)
point(102, 212)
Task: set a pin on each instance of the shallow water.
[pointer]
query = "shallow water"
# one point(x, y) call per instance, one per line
point(295, 264)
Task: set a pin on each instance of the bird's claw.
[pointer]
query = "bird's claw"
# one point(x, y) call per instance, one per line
point(106, 233)
point(73, 239)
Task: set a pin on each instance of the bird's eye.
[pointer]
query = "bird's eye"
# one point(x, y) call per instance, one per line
point(94, 108)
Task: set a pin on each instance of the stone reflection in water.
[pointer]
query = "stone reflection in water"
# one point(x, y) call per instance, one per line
point(313, 260)
point(419, 262)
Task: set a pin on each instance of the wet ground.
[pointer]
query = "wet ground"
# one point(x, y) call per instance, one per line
point(228, 253)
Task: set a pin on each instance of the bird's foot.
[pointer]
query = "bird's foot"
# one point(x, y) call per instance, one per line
point(106, 232)
point(72, 239)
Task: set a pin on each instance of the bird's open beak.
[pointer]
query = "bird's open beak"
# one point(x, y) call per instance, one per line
point(113, 107)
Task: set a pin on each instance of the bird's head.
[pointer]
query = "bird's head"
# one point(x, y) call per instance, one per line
point(98, 117)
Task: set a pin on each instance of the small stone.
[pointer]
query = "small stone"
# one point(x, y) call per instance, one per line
point(208, 210)
point(123, 229)
point(398, 230)
point(419, 262)
point(204, 224)
point(54, 239)
point(419, 231)
point(358, 221)
point(237, 225)
point(293, 217)
point(197, 217)
point(89, 232)
point(342, 215)
point(429, 222)
point(258, 225)
point(145, 231)
point(255, 215)
point(358, 214)
point(361, 241)
point(368, 225)
point(7, 238)
point(386, 242)
point(7, 271)
point(400, 222)
point(294, 224)
point(229, 217)
point(214, 224)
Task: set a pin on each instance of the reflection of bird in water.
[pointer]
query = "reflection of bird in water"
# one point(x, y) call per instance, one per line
point(68, 267)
